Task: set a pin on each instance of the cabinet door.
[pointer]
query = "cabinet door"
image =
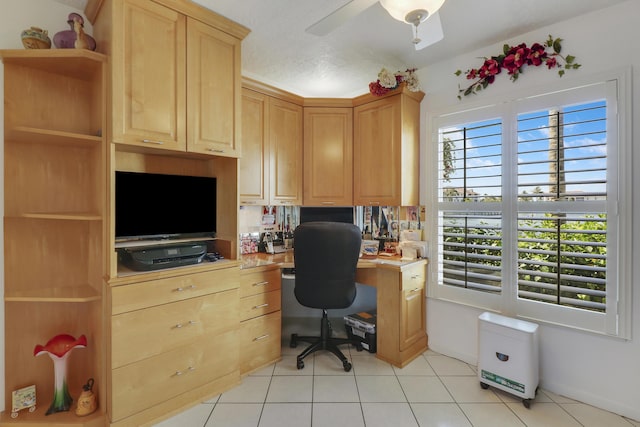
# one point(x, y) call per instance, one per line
point(254, 164)
point(412, 307)
point(377, 148)
point(213, 94)
point(285, 140)
point(149, 76)
point(328, 156)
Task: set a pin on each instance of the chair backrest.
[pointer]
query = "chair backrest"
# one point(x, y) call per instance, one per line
point(326, 257)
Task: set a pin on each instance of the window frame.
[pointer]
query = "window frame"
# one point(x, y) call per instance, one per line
point(617, 319)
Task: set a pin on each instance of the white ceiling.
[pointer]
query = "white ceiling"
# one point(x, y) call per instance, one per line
point(279, 52)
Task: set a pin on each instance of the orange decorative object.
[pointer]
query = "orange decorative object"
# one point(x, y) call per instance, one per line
point(59, 348)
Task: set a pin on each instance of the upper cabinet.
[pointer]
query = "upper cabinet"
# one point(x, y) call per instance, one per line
point(387, 149)
point(328, 156)
point(271, 163)
point(175, 80)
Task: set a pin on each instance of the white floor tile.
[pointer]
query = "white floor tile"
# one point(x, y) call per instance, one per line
point(235, 414)
point(439, 415)
point(443, 365)
point(418, 366)
point(195, 416)
point(267, 371)
point(492, 415)
point(337, 414)
point(368, 364)
point(589, 416)
point(543, 415)
point(250, 390)
point(336, 389)
point(425, 389)
point(326, 363)
point(388, 414)
point(379, 388)
point(288, 366)
point(468, 390)
point(290, 389)
point(286, 415)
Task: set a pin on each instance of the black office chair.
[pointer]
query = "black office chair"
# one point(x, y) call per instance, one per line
point(325, 255)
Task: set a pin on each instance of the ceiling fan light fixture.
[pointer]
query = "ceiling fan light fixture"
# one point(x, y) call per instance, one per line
point(411, 11)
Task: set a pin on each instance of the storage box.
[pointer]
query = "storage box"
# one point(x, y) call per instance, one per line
point(508, 355)
point(362, 327)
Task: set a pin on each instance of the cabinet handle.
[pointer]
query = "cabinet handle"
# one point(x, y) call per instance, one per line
point(180, 289)
point(189, 323)
point(415, 277)
point(261, 337)
point(261, 283)
point(215, 150)
point(260, 306)
point(415, 290)
point(374, 203)
point(328, 203)
point(248, 202)
point(189, 369)
point(151, 141)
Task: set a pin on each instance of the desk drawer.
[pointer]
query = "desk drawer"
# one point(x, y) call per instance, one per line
point(143, 333)
point(414, 278)
point(155, 292)
point(260, 341)
point(258, 305)
point(155, 380)
point(256, 281)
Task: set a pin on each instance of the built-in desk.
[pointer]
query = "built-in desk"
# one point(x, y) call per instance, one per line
point(400, 297)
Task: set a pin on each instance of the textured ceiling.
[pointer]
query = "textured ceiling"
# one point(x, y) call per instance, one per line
point(278, 51)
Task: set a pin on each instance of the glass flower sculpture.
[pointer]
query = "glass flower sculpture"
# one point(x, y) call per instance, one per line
point(59, 348)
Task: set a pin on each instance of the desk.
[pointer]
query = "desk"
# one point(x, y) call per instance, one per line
point(400, 298)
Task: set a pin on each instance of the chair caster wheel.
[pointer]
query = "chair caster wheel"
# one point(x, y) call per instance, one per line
point(294, 341)
point(346, 365)
point(359, 347)
point(484, 386)
point(300, 364)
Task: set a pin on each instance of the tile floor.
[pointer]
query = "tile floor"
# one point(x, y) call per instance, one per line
point(434, 390)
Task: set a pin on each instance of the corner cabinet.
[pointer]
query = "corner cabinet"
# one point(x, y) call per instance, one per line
point(328, 156)
point(387, 149)
point(176, 79)
point(54, 224)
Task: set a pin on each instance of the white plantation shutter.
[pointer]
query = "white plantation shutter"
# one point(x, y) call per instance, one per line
point(528, 210)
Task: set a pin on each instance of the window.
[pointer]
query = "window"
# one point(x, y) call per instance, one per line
point(529, 209)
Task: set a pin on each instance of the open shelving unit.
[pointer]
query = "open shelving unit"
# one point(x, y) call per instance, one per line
point(54, 240)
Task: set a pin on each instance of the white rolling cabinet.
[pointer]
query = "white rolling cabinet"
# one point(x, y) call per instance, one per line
point(508, 355)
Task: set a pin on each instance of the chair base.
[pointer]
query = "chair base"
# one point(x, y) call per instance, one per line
point(324, 342)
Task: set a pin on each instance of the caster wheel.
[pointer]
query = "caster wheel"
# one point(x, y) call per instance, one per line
point(359, 347)
point(294, 341)
point(527, 403)
point(346, 365)
point(484, 386)
point(300, 364)
point(32, 409)
point(14, 415)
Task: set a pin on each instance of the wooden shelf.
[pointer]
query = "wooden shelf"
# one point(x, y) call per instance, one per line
point(69, 294)
point(76, 63)
point(69, 216)
point(25, 134)
point(39, 419)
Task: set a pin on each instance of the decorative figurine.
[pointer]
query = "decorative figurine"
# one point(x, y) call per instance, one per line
point(59, 348)
point(87, 403)
point(35, 38)
point(75, 37)
point(24, 398)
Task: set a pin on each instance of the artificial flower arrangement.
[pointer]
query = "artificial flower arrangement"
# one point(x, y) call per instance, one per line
point(513, 59)
point(388, 81)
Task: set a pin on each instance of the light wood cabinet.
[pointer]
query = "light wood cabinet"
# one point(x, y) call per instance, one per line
point(175, 80)
point(260, 326)
point(328, 156)
point(271, 170)
point(401, 320)
point(387, 149)
point(54, 223)
point(254, 164)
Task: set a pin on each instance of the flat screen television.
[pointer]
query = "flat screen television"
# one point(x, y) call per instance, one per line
point(162, 206)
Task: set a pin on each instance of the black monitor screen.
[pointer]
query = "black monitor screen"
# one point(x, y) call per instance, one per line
point(333, 214)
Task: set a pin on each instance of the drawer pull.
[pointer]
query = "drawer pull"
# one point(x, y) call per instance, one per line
point(261, 283)
point(151, 141)
point(215, 150)
point(415, 290)
point(189, 369)
point(261, 306)
point(415, 277)
point(261, 337)
point(180, 289)
point(189, 323)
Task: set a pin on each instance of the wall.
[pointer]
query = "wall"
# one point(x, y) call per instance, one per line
point(594, 369)
point(15, 16)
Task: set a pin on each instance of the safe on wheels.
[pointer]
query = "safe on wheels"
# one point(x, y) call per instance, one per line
point(508, 355)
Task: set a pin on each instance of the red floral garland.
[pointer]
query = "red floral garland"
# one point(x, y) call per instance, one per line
point(513, 59)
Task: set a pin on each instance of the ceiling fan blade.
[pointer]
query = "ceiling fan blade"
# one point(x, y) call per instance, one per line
point(339, 17)
point(430, 32)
